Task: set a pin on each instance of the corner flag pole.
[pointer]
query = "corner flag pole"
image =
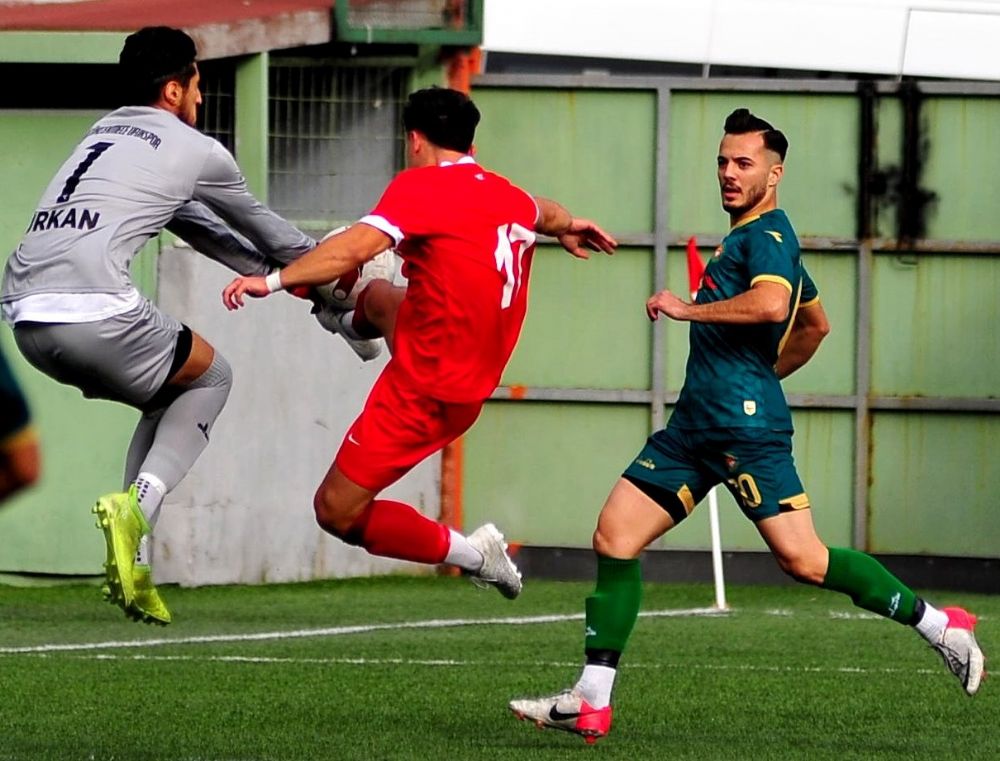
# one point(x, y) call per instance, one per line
point(696, 270)
point(713, 529)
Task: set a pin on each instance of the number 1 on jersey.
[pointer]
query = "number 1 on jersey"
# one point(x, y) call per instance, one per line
point(93, 153)
point(512, 241)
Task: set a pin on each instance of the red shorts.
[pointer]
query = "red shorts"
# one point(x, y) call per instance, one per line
point(398, 428)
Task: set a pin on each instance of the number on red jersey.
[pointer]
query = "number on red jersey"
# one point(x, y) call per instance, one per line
point(512, 241)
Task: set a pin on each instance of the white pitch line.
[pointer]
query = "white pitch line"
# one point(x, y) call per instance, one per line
point(448, 662)
point(336, 631)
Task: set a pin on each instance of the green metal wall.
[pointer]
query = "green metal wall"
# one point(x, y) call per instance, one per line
point(880, 476)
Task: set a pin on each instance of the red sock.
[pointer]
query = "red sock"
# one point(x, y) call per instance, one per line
point(396, 530)
point(360, 323)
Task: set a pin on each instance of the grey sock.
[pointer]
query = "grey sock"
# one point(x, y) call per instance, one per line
point(138, 448)
point(183, 430)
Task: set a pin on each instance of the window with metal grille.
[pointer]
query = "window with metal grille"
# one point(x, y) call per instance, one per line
point(217, 114)
point(335, 137)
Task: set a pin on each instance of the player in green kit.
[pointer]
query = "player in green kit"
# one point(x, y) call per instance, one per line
point(20, 459)
point(756, 319)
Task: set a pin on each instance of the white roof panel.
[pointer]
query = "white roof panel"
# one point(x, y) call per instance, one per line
point(944, 38)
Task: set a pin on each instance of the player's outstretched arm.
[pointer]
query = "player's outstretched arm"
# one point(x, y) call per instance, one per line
point(255, 285)
point(577, 235)
point(765, 302)
point(332, 258)
point(809, 329)
point(222, 188)
point(207, 234)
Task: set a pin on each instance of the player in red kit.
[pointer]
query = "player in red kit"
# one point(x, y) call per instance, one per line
point(466, 236)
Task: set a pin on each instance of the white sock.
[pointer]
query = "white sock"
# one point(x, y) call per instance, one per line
point(595, 684)
point(347, 323)
point(463, 554)
point(143, 553)
point(932, 624)
point(150, 491)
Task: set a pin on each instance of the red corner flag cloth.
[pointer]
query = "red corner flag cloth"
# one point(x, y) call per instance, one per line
point(696, 268)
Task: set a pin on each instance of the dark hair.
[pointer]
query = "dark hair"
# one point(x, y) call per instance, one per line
point(152, 57)
point(741, 121)
point(447, 118)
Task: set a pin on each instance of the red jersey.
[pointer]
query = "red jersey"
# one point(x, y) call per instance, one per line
point(466, 237)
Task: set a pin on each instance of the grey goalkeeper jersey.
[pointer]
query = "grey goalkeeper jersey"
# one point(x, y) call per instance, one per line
point(138, 170)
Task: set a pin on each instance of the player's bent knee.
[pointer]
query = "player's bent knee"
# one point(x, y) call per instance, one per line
point(335, 520)
point(802, 568)
point(325, 516)
point(219, 374)
point(614, 545)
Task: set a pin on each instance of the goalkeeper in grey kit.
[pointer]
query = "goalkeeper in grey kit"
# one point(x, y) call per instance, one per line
point(77, 316)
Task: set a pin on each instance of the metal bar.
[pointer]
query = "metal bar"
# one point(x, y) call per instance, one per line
point(599, 395)
point(931, 246)
point(862, 387)
point(661, 220)
point(359, 62)
point(603, 80)
point(808, 243)
point(796, 401)
point(251, 127)
point(825, 244)
point(821, 401)
point(911, 202)
point(866, 159)
point(935, 404)
point(959, 88)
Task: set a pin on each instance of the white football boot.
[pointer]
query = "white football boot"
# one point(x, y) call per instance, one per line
point(959, 649)
point(567, 711)
point(498, 569)
point(334, 320)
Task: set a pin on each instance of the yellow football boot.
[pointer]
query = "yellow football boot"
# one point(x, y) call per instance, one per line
point(123, 524)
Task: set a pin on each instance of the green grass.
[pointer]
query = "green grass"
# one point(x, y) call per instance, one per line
point(791, 673)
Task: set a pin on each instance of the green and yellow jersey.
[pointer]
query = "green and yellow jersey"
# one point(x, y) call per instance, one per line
point(14, 416)
point(730, 380)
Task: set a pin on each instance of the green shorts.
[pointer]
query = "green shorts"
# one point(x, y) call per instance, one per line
point(677, 469)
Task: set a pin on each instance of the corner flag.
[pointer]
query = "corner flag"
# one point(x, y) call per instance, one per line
point(696, 268)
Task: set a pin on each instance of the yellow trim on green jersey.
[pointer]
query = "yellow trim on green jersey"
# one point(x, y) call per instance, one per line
point(745, 222)
point(687, 498)
point(791, 319)
point(810, 303)
point(772, 279)
point(797, 502)
point(24, 435)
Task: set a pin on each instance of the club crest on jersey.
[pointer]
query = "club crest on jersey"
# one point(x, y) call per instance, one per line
point(749, 407)
point(718, 252)
point(732, 462)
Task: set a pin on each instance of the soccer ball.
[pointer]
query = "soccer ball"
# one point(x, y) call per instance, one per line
point(342, 293)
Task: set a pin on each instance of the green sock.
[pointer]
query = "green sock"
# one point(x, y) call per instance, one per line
point(869, 584)
point(614, 606)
